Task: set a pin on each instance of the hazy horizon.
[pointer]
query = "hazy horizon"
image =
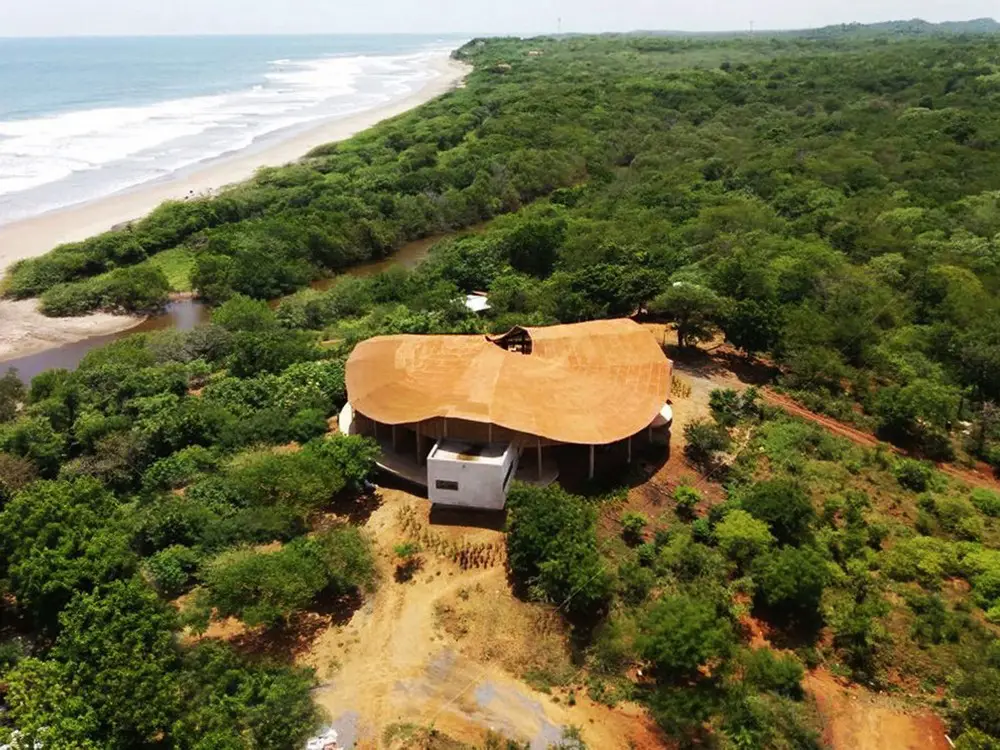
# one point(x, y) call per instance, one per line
point(66, 18)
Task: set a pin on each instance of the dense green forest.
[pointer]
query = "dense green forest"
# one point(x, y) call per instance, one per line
point(832, 204)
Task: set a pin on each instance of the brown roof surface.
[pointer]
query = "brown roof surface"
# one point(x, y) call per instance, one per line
point(589, 383)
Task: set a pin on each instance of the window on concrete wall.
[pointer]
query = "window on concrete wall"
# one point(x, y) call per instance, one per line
point(445, 484)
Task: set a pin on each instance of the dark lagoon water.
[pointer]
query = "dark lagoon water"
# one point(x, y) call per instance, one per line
point(185, 314)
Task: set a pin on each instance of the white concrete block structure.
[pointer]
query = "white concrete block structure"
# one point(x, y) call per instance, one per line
point(470, 475)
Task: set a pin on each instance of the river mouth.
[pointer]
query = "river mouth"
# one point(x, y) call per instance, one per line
point(185, 314)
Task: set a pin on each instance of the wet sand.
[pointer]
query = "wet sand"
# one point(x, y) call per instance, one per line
point(38, 235)
point(23, 329)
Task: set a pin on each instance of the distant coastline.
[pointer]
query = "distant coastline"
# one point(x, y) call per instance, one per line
point(35, 236)
point(25, 331)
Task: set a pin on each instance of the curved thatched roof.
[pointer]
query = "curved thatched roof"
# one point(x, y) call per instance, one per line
point(587, 383)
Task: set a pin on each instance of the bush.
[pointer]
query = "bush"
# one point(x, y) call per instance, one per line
point(634, 582)
point(766, 670)
point(790, 582)
point(986, 501)
point(633, 527)
point(267, 588)
point(913, 475)
point(742, 537)
point(225, 695)
point(171, 569)
point(179, 469)
point(680, 634)
point(704, 441)
point(729, 407)
point(933, 623)
point(240, 313)
point(552, 547)
point(784, 506)
point(686, 499)
point(409, 562)
point(141, 289)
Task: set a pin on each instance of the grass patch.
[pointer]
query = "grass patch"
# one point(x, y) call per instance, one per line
point(176, 264)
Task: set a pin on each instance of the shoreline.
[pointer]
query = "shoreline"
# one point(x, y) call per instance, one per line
point(29, 238)
point(24, 331)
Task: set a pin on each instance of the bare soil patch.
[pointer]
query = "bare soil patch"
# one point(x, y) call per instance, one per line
point(856, 719)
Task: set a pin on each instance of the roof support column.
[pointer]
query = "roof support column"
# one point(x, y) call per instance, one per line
point(630, 449)
point(591, 475)
point(416, 430)
point(539, 459)
point(394, 438)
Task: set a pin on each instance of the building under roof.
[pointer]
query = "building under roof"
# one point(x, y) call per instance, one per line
point(589, 384)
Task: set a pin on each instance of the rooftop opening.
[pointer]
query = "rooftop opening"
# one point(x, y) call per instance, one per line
point(517, 340)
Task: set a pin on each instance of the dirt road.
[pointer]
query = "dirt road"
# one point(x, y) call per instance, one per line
point(856, 719)
point(396, 663)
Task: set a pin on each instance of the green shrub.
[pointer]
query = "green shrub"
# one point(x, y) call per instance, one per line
point(986, 501)
point(633, 527)
point(742, 537)
point(680, 634)
point(790, 581)
point(973, 739)
point(923, 559)
point(634, 582)
point(686, 499)
point(784, 506)
point(179, 469)
point(240, 313)
point(552, 547)
point(766, 670)
point(704, 441)
point(933, 623)
point(171, 569)
point(267, 588)
point(913, 475)
point(141, 289)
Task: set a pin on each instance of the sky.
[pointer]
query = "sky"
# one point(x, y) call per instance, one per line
point(142, 17)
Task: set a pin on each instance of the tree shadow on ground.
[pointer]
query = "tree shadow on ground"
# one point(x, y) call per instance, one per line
point(722, 361)
point(357, 508)
point(285, 642)
point(790, 631)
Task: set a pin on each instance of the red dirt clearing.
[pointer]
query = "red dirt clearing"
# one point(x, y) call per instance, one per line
point(855, 719)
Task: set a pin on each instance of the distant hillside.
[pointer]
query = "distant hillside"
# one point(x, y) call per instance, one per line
point(912, 28)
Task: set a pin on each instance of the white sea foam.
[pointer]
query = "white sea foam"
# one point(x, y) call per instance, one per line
point(75, 156)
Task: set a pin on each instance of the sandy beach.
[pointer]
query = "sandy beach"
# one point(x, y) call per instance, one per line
point(38, 235)
point(24, 330)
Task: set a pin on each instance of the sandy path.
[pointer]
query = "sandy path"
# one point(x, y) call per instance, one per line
point(38, 235)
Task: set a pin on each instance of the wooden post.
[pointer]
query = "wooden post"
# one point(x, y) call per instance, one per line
point(375, 427)
point(630, 449)
point(394, 438)
point(591, 476)
point(445, 420)
point(416, 429)
point(649, 433)
point(489, 432)
point(539, 459)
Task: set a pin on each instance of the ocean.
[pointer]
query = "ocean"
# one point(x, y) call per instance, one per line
point(85, 118)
